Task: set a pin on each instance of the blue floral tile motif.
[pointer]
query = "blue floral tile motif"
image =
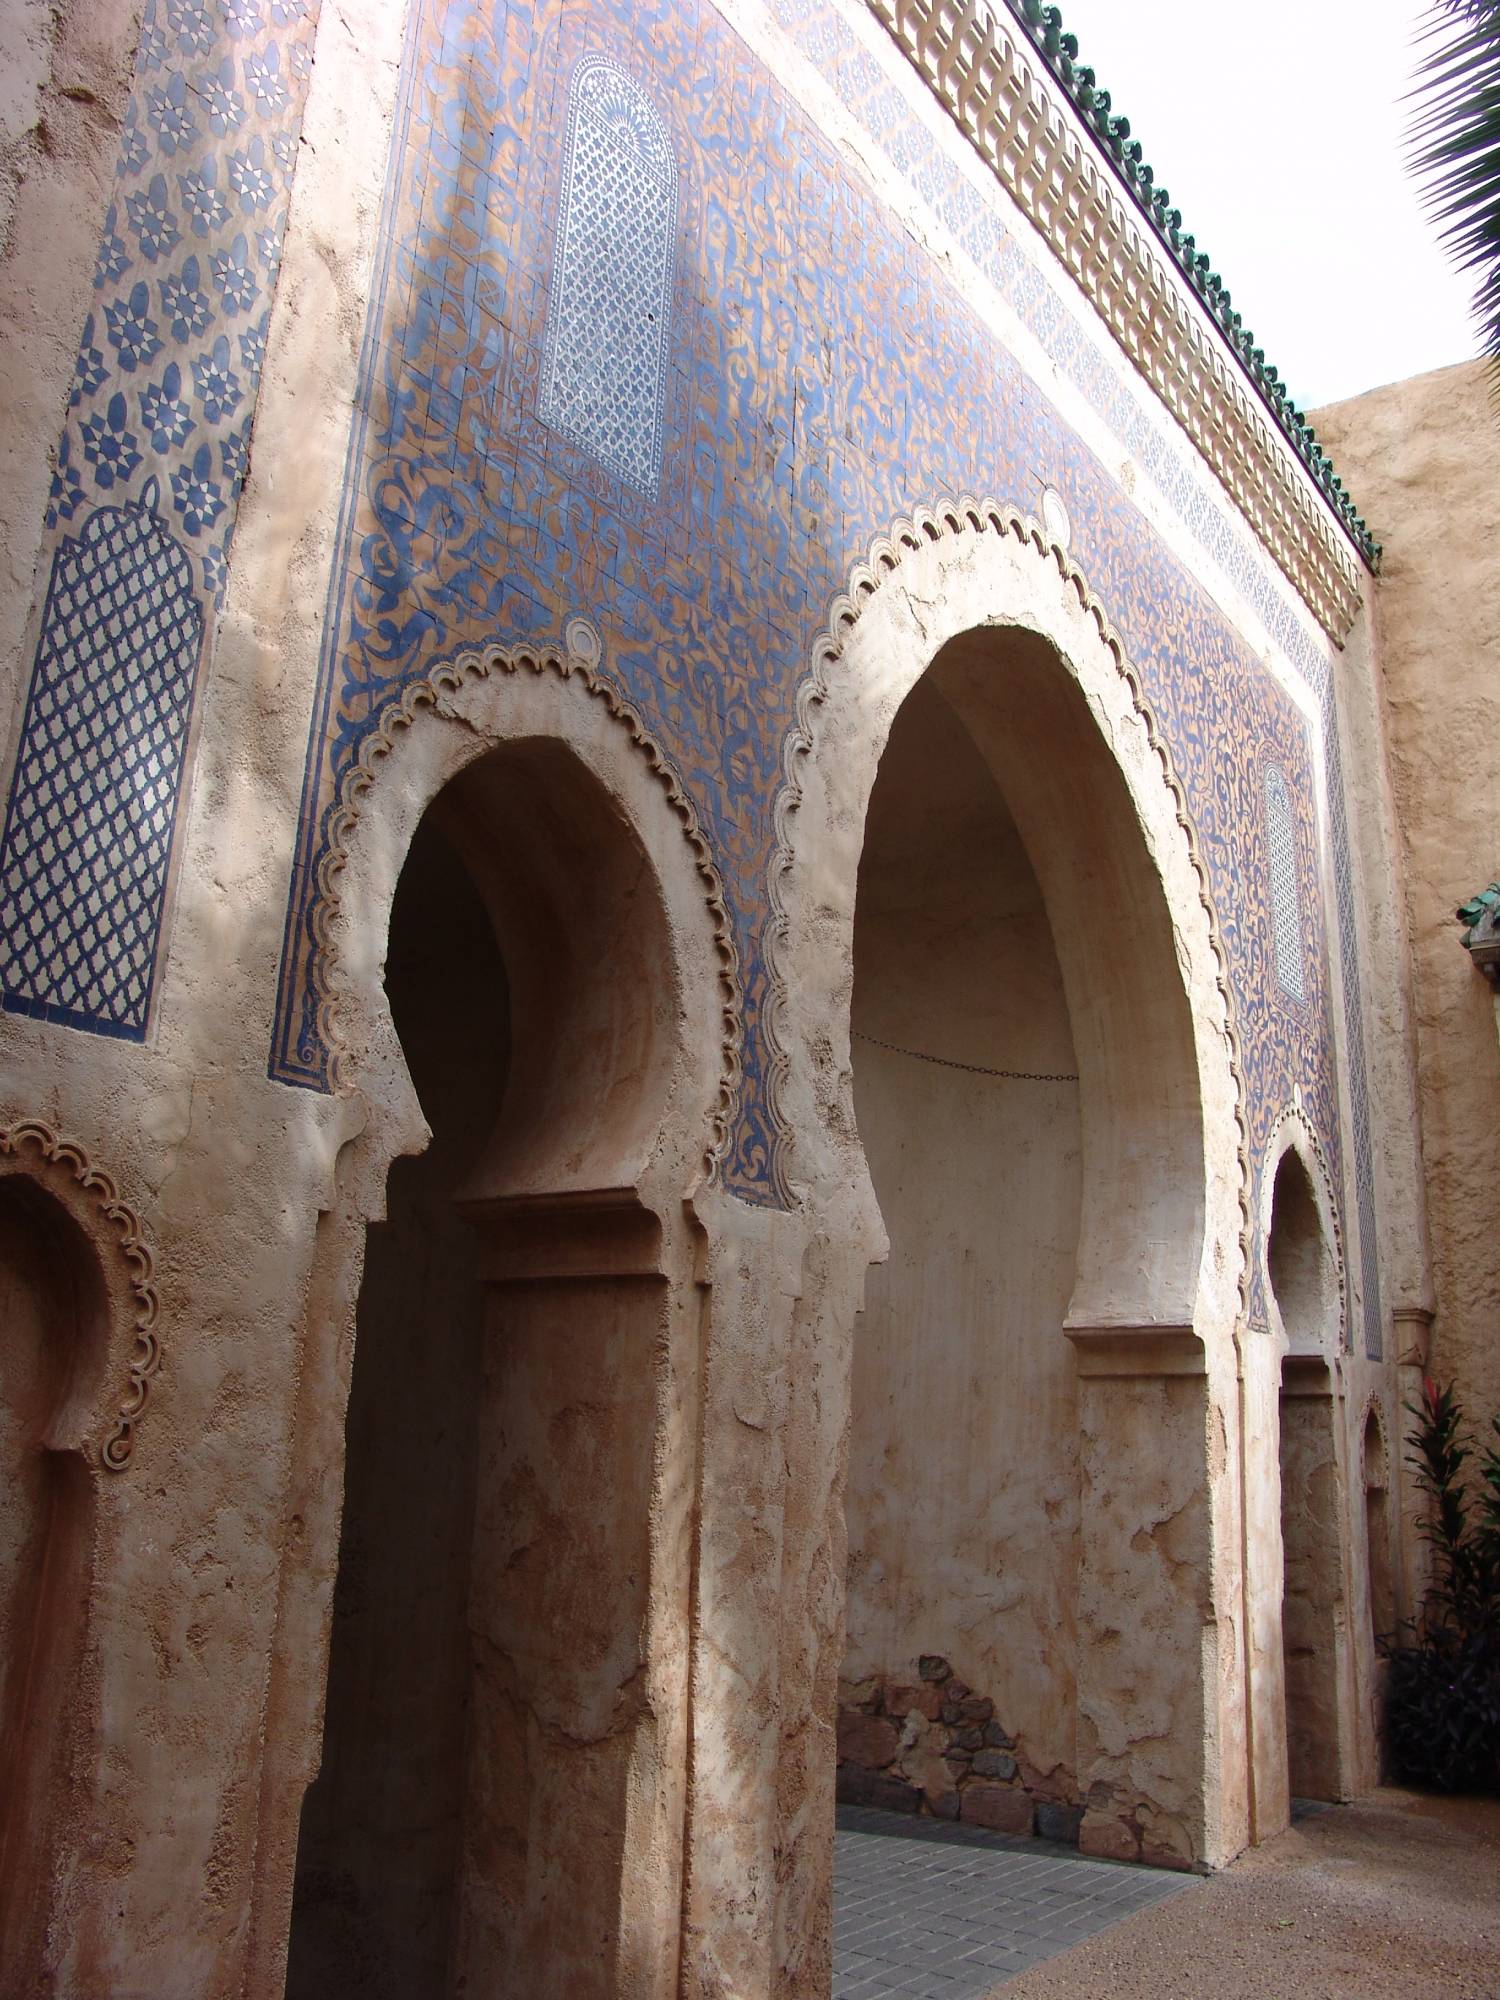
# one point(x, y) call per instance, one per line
point(88, 831)
point(815, 357)
point(156, 444)
point(823, 35)
point(108, 446)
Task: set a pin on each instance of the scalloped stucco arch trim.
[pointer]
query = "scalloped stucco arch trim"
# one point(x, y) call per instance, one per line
point(579, 663)
point(1294, 1132)
point(67, 1173)
point(948, 532)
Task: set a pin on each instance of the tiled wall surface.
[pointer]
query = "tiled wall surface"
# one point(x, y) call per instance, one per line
point(148, 474)
point(814, 361)
point(641, 347)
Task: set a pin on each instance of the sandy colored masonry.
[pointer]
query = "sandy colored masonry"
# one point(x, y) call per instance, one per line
point(734, 1063)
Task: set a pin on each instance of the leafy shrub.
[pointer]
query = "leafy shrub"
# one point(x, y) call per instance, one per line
point(1443, 1685)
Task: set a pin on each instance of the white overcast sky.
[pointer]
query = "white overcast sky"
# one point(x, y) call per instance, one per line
point(1278, 129)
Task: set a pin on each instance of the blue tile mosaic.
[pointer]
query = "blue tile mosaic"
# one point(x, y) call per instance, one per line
point(153, 454)
point(88, 831)
point(604, 354)
point(814, 359)
point(1286, 911)
point(822, 34)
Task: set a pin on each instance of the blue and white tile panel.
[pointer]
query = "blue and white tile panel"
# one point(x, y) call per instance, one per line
point(149, 468)
point(822, 33)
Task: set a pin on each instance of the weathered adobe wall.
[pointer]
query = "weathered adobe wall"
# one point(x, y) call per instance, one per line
point(216, 1550)
point(1416, 454)
point(964, 1479)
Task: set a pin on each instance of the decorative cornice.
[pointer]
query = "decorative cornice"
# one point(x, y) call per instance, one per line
point(447, 677)
point(101, 1190)
point(1214, 380)
point(955, 519)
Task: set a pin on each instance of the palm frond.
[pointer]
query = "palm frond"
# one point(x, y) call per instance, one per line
point(1455, 145)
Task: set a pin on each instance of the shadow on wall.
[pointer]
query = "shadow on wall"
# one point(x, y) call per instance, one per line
point(378, 1857)
point(53, 1312)
point(486, 1714)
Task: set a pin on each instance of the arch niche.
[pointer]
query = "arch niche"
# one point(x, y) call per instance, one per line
point(1305, 1307)
point(1035, 1522)
point(527, 994)
point(77, 1350)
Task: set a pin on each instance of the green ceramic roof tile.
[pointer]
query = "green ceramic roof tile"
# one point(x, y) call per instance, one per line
point(1111, 133)
point(1470, 913)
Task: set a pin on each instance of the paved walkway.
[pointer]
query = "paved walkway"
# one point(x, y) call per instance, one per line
point(925, 1910)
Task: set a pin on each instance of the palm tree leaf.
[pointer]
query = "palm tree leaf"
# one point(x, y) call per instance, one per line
point(1454, 141)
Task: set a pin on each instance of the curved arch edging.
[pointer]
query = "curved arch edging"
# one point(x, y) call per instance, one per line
point(952, 519)
point(1374, 1413)
point(448, 677)
point(1294, 1131)
point(71, 1159)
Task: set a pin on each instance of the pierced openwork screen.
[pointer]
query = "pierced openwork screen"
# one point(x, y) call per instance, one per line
point(88, 837)
point(1286, 908)
point(608, 321)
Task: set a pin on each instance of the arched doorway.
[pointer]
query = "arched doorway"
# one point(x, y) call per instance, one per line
point(489, 1815)
point(1026, 1093)
point(963, 1477)
point(54, 1313)
point(1316, 1659)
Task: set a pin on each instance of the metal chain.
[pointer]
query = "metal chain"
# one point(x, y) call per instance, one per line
point(974, 1069)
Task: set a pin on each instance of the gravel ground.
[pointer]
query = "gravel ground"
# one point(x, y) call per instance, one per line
point(1395, 1898)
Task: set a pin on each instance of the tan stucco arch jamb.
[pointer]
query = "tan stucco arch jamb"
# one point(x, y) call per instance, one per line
point(1162, 1754)
point(486, 701)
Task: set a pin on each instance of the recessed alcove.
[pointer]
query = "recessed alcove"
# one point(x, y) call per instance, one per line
point(1026, 1098)
point(469, 1825)
point(1314, 1605)
point(1299, 1259)
point(54, 1313)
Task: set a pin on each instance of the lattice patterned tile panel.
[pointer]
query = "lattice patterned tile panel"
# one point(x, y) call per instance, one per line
point(610, 319)
point(149, 469)
point(88, 834)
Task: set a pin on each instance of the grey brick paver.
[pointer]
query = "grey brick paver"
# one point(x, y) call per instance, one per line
point(926, 1910)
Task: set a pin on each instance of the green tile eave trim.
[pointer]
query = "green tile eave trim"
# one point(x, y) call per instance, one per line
point(1110, 133)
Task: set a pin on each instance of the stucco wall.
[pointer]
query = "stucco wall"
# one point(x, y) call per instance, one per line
point(1419, 455)
point(426, 566)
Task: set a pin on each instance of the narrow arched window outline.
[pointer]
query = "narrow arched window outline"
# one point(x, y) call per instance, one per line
point(1286, 901)
point(607, 340)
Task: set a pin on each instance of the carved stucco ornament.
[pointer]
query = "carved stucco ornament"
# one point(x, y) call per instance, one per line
point(123, 1226)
